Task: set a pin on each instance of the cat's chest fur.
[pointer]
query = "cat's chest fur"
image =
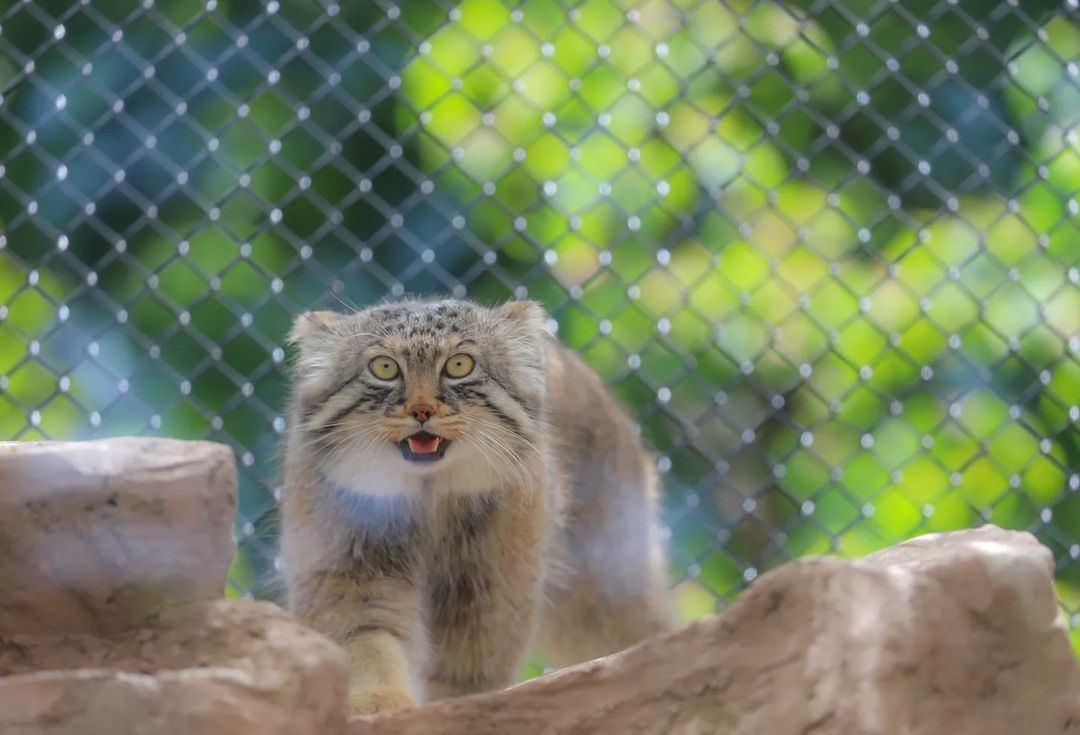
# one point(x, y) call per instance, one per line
point(382, 476)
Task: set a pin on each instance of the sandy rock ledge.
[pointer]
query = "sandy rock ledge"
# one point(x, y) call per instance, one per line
point(205, 668)
point(113, 562)
point(114, 553)
point(98, 535)
point(950, 634)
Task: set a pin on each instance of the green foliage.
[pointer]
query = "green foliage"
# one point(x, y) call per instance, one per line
point(829, 261)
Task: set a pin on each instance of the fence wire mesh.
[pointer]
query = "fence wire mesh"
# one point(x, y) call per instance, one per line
point(826, 251)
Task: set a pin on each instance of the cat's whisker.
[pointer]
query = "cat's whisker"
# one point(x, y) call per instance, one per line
point(335, 445)
point(491, 444)
point(500, 446)
point(347, 304)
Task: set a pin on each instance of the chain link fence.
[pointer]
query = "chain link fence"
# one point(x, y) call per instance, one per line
point(826, 251)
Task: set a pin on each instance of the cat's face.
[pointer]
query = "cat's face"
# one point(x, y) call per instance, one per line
point(420, 389)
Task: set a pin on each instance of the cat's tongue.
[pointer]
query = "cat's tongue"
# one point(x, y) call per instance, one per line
point(424, 443)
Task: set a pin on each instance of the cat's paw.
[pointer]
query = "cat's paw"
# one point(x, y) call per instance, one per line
point(380, 700)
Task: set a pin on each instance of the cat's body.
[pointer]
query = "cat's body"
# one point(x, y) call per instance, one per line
point(456, 486)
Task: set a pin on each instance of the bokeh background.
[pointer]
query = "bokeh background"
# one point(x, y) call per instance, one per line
point(825, 251)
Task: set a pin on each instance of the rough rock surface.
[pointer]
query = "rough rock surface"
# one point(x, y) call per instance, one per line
point(214, 668)
point(112, 554)
point(97, 535)
point(948, 634)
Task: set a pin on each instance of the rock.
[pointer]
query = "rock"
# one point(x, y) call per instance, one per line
point(97, 535)
point(947, 634)
point(113, 560)
point(216, 668)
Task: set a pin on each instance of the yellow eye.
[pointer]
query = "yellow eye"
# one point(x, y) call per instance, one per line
point(459, 366)
point(384, 368)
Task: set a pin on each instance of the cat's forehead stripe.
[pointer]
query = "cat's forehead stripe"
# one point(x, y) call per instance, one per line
point(407, 310)
point(418, 320)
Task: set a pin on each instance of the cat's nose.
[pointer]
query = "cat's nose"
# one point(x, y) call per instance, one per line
point(421, 411)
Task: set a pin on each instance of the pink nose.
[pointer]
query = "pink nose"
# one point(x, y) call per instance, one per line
point(421, 411)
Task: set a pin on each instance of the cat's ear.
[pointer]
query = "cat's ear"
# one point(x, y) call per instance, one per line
point(312, 326)
point(526, 314)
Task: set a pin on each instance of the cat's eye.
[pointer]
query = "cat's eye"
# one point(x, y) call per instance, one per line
point(384, 368)
point(459, 366)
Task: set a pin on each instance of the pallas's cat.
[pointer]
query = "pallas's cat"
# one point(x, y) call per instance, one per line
point(458, 486)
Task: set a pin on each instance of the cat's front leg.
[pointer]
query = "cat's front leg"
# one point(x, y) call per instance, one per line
point(485, 589)
point(379, 623)
point(483, 646)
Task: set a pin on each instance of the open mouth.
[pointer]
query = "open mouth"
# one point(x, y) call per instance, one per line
point(423, 447)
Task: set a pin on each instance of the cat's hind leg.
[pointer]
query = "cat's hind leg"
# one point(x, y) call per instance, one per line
point(612, 591)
